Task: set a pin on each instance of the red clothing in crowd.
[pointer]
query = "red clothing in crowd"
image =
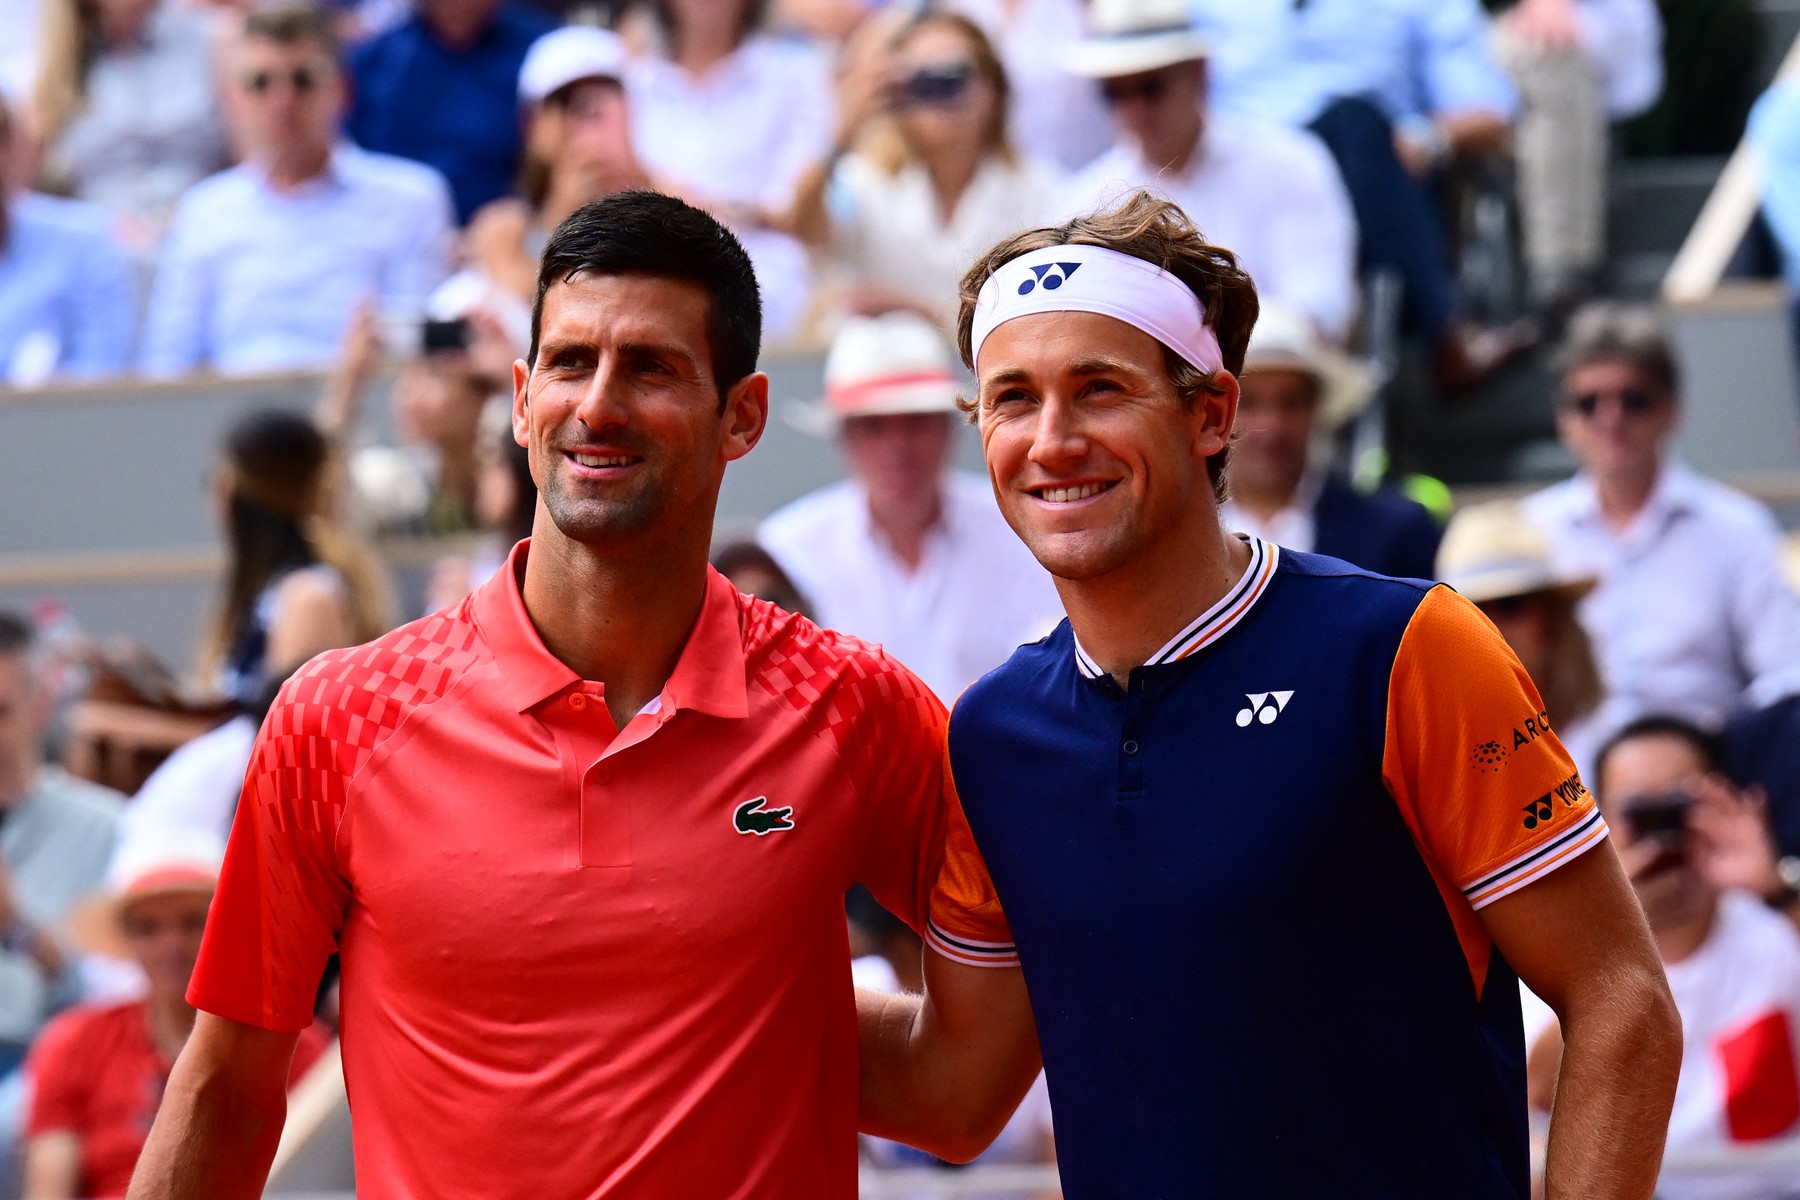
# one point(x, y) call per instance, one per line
point(96, 1073)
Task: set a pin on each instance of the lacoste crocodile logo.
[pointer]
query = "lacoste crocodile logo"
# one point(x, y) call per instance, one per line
point(752, 817)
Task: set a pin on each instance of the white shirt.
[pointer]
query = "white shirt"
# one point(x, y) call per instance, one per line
point(888, 229)
point(1295, 526)
point(197, 786)
point(1055, 115)
point(1691, 616)
point(1272, 196)
point(1624, 39)
point(742, 134)
point(1739, 998)
point(976, 596)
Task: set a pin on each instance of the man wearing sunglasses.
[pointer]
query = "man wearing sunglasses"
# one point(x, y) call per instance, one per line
point(1691, 615)
point(266, 262)
point(1273, 195)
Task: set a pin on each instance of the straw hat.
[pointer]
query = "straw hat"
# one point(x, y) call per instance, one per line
point(1285, 340)
point(881, 366)
point(1127, 37)
point(150, 862)
point(1490, 552)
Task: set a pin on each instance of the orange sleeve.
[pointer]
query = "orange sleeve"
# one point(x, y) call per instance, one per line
point(1492, 798)
point(967, 924)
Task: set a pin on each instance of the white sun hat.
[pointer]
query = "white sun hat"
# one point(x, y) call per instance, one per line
point(151, 862)
point(1286, 340)
point(1127, 37)
point(889, 365)
point(1490, 552)
point(568, 55)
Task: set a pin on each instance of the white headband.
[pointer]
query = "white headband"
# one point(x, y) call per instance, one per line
point(1097, 280)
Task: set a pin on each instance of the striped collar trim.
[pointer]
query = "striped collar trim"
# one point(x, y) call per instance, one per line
point(1216, 621)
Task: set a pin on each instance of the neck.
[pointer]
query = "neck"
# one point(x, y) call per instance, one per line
point(1624, 494)
point(619, 616)
point(171, 1020)
point(301, 165)
point(1678, 938)
point(1265, 497)
point(699, 49)
point(1125, 616)
point(950, 170)
point(905, 528)
point(121, 33)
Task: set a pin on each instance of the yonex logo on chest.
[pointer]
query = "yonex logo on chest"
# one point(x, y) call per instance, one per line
point(1264, 708)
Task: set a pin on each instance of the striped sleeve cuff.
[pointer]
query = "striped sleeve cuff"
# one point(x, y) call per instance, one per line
point(970, 953)
point(1538, 861)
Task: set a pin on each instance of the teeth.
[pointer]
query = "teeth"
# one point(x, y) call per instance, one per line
point(588, 460)
point(1064, 495)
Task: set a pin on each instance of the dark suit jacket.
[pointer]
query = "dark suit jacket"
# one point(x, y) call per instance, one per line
point(1381, 531)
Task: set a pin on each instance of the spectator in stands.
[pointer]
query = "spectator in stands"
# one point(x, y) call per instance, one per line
point(55, 839)
point(294, 585)
point(1578, 65)
point(1498, 560)
point(577, 148)
point(1295, 391)
point(98, 1073)
point(1056, 115)
point(1691, 615)
point(441, 88)
point(729, 118)
point(754, 572)
point(65, 288)
point(127, 107)
point(1396, 89)
point(1733, 965)
point(505, 504)
point(906, 552)
point(1270, 195)
point(923, 177)
point(266, 263)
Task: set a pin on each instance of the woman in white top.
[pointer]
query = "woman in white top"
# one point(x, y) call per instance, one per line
point(728, 117)
point(127, 104)
point(926, 177)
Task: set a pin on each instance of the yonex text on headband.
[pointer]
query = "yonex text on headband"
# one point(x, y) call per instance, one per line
point(1097, 280)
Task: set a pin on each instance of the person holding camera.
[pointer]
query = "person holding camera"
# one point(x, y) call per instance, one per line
point(1733, 962)
point(924, 176)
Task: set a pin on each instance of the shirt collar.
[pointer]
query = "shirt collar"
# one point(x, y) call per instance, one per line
point(333, 175)
point(1676, 490)
point(709, 675)
point(1215, 622)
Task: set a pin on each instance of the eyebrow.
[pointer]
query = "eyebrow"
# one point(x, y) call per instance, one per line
point(1093, 365)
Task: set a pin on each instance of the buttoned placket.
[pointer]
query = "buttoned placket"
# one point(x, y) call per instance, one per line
point(596, 771)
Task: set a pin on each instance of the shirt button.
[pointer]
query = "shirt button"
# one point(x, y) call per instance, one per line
point(1130, 747)
point(577, 701)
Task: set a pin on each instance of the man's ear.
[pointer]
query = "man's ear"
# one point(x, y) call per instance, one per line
point(521, 406)
point(1214, 414)
point(746, 415)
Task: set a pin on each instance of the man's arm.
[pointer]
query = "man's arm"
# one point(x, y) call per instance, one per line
point(220, 1121)
point(1578, 939)
point(945, 1071)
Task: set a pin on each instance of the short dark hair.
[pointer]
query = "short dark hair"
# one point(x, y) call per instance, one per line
point(1708, 747)
point(289, 22)
point(1153, 229)
point(648, 233)
point(1611, 331)
point(17, 634)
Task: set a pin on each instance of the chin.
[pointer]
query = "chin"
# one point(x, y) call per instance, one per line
point(1076, 557)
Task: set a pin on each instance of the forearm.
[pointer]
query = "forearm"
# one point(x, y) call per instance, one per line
point(209, 1143)
point(1620, 1061)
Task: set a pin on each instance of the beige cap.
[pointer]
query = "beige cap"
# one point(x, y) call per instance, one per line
point(1490, 551)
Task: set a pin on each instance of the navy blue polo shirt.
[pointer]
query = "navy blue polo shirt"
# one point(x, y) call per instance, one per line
point(453, 109)
point(1243, 889)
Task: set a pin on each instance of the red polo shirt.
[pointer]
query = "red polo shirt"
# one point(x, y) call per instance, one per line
point(580, 961)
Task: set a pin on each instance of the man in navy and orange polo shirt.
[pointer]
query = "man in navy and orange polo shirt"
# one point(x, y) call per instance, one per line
point(582, 840)
point(1277, 837)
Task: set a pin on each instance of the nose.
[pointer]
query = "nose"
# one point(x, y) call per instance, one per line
point(602, 405)
point(1056, 438)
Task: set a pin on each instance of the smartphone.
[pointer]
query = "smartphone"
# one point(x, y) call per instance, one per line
point(438, 336)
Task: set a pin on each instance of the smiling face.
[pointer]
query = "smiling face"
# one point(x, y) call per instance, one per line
point(621, 411)
point(1096, 460)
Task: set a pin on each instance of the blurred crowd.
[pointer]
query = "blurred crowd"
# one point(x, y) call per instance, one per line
point(363, 188)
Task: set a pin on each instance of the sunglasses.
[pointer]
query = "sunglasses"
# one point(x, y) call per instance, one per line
point(303, 80)
point(937, 85)
point(1148, 88)
point(1634, 401)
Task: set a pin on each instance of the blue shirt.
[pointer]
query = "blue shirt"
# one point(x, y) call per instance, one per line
point(66, 293)
point(1244, 890)
point(1275, 61)
point(457, 110)
point(255, 279)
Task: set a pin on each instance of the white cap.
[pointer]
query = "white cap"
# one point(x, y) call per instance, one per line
point(1286, 340)
point(568, 55)
point(150, 862)
point(881, 366)
point(1126, 37)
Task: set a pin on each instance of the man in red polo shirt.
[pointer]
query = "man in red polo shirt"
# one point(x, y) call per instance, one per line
point(582, 840)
